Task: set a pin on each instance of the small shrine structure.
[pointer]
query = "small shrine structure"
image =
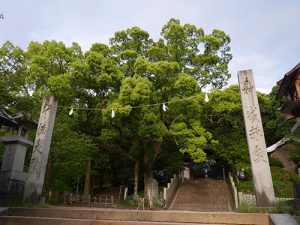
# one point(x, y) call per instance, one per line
point(290, 86)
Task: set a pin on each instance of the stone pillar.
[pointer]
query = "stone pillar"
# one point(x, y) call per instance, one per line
point(40, 152)
point(125, 193)
point(261, 173)
point(152, 192)
point(186, 172)
point(12, 177)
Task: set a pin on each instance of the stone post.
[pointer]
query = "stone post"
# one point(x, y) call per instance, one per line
point(261, 173)
point(40, 152)
point(125, 193)
point(186, 172)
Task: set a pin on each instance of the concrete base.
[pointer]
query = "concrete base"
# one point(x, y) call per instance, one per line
point(282, 219)
point(12, 184)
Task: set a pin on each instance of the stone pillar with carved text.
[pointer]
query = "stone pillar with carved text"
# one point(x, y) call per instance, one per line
point(261, 173)
point(40, 152)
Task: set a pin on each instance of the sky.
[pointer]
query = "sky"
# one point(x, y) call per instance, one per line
point(264, 34)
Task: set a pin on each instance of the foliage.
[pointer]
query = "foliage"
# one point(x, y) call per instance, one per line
point(275, 162)
point(130, 202)
point(133, 76)
point(247, 207)
point(247, 169)
point(280, 207)
point(167, 164)
point(283, 207)
point(282, 182)
point(223, 117)
point(274, 124)
point(164, 71)
point(295, 151)
point(68, 159)
point(246, 186)
point(14, 89)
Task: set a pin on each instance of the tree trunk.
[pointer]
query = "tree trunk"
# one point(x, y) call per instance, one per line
point(87, 183)
point(136, 177)
point(148, 179)
point(148, 182)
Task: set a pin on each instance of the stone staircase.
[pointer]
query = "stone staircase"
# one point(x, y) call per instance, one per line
point(97, 216)
point(205, 195)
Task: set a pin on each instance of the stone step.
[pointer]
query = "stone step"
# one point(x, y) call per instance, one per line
point(19, 220)
point(206, 195)
point(201, 208)
point(142, 216)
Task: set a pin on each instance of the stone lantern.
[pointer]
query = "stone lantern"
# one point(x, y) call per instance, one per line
point(12, 176)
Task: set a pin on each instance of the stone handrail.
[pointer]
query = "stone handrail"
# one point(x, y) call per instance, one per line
point(170, 190)
point(234, 191)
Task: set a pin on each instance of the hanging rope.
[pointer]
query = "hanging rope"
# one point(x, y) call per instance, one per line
point(165, 108)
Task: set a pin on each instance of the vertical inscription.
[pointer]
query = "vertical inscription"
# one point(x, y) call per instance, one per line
point(39, 158)
point(259, 154)
point(255, 132)
point(256, 141)
point(36, 163)
point(247, 88)
point(252, 114)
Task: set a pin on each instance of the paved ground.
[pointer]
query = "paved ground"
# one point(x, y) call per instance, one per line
point(205, 194)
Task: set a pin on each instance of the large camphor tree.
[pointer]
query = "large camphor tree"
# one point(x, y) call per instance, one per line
point(154, 88)
point(173, 71)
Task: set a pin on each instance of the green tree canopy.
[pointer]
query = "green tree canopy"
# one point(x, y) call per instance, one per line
point(153, 87)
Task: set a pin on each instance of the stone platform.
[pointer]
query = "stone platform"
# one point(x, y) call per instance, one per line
point(97, 216)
